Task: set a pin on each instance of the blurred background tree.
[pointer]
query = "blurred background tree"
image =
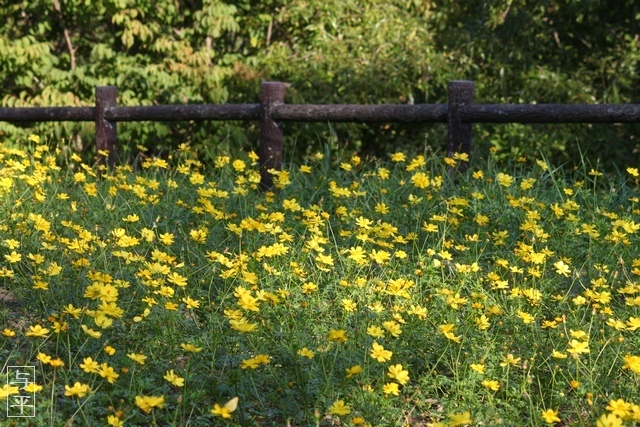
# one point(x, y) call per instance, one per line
point(330, 51)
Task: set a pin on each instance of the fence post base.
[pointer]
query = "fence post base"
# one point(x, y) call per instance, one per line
point(459, 134)
point(106, 96)
point(271, 93)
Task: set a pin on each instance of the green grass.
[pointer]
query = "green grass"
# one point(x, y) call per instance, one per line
point(490, 300)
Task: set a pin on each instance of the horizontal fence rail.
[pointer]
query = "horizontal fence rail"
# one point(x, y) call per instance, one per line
point(426, 113)
point(47, 114)
point(550, 113)
point(460, 113)
point(168, 113)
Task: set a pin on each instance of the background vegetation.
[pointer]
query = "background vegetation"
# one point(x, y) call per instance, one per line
point(330, 51)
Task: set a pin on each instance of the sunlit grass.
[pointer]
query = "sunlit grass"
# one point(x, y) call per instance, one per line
point(380, 293)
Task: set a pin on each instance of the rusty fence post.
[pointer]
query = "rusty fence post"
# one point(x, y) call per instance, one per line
point(106, 96)
point(271, 93)
point(461, 93)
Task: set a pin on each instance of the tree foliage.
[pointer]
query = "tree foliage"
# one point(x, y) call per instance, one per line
point(332, 51)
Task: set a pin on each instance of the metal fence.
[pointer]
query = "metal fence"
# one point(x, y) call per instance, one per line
point(460, 113)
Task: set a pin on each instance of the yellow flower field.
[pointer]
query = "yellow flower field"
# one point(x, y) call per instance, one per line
point(379, 293)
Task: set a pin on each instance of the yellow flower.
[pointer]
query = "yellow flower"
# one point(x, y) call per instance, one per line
point(381, 208)
point(504, 179)
point(633, 172)
point(147, 403)
point(339, 408)
point(13, 257)
point(477, 367)
point(619, 407)
point(375, 331)
point(108, 372)
point(225, 410)
point(393, 328)
point(380, 257)
point(397, 373)
point(114, 421)
point(562, 268)
point(37, 331)
point(558, 355)
point(42, 357)
point(305, 352)
point(447, 331)
point(550, 416)
point(249, 363)
point(391, 388)
point(420, 180)
point(338, 335)
point(491, 384)
point(576, 347)
point(166, 239)
point(458, 419)
point(464, 157)
point(7, 390)
point(379, 353)
point(174, 379)
point(526, 317)
point(482, 322)
point(177, 279)
point(78, 389)
point(32, 388)
point(191, 303)
point(131, 218)
point(633, 323)
point(291, 205)
point(309, 288)
point(238, 165)
point(553, 324)
point(60, 327)
point(242, 325)
point(8, 333)
point(56, 363)
point(198, 236)
point(398, 157)
point(509, 360)
point(354, 370)
point(543, 165)
point(632, 362)
point(345, 166)
point(609, 420)
point(416, 163)
point(71, 310)
point(248, 302)
point(91, 332)
point(190, 348)
point(90, 365)
point(349, 305)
